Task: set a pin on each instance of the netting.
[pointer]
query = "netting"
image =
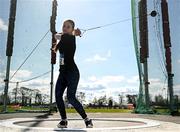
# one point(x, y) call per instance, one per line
point(141, 105)
point(157, 60)
point(28, 14)
point(24, 42)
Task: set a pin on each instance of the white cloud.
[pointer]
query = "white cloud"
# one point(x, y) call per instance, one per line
point(109, 53)
point(109, 85)
point(20, 75)
point(42, 84)
point(98, 58)
point(177, 86)
point(157, 86)
point(1, 61)
point(23, 75)
point(178, 61)
point(156, 83)
point(177, 89)
point(94, 81)
point(107, 79)
point(93, 86)
point(3, 26)
point(134, 79)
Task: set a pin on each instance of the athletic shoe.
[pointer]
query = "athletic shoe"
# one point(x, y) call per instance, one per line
point(88, 123)
point(62, 124)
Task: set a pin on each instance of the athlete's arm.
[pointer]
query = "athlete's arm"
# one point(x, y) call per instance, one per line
point(58, 36)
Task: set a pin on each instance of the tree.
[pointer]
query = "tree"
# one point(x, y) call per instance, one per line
point(102, 101)
point(26, 95)
point(159, 100)
point(120, 99)
point(81, 97)
point(110, 102)
point(95, 101)
point(2, 99)
point(45, 98)
point(15, 95)
point(131, 98)
point(38, 97)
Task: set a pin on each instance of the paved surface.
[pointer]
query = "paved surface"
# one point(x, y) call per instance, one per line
point(75, 124)
point(80, 124)
point(167, 123)
point(168, 118)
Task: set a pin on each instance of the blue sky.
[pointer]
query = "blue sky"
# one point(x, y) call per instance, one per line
point(105, 56)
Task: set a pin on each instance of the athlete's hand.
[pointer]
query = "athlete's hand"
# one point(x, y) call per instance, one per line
point(77, 32)
point(54, 49)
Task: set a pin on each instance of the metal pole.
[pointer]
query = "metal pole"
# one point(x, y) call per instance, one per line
point(17, 84)
point(53, 55)
point(171, 92)
point(144, 49)
point(146, 82)
point(167, 46)
point(9, 49)
point(6, 83)
point(52, 85)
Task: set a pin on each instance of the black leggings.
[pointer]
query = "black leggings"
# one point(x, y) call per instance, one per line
point(70, 80)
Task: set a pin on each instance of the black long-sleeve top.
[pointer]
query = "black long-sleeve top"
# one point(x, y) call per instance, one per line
point(67, 48)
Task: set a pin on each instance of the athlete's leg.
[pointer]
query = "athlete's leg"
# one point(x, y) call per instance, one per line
point(60, 87)
point(72, 83)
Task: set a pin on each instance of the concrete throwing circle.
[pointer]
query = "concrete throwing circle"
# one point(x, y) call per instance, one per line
point(100, 124)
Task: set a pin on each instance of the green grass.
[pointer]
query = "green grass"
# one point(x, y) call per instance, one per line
point(32, 108)
point(91, 110)
point(88, 110)
point(162, 110)
point(10, 109)
point(70, 110)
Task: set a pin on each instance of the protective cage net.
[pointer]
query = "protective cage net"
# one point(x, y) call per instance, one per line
point(158, 88)
point(24, 92)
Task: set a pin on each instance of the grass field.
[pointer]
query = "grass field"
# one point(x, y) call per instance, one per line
point(88, 110)
point(69, 110)
point(11, 109)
